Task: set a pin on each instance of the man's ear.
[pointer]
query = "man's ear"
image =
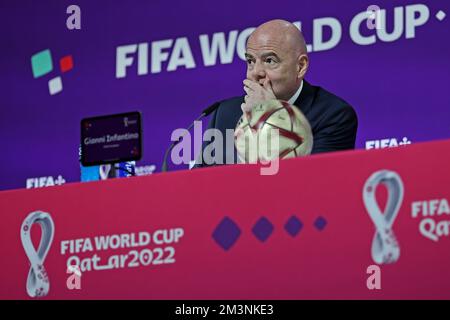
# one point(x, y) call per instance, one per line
point(303, 64)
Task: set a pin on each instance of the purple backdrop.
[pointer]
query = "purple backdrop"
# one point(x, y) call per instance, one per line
point(398, 88)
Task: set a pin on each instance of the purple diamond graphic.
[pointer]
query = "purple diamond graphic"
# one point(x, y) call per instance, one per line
point(262, 229)
point(293, 226)
point(320, 223)
point(226, 233)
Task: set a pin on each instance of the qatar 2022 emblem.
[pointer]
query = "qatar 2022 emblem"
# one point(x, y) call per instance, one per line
point(38, 284)
point(385, 247)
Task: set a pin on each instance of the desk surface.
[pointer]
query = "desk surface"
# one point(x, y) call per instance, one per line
point(231, 233)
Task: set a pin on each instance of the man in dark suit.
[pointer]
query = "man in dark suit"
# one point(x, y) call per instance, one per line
point(277, 62)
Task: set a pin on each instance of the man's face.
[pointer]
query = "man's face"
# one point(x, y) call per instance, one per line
point(270, 57)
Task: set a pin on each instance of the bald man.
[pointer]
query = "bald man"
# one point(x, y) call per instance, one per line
point(277, 62)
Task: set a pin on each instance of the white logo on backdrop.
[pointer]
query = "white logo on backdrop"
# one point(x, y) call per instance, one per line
point(387, 143)
point(223, 47)
point(46, 181)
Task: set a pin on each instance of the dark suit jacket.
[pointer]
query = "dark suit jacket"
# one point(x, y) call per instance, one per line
point(333, 121)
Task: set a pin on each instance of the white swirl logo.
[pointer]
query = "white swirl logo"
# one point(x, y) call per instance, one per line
point(385, 248)
point(38, 284)
point(104, 171)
